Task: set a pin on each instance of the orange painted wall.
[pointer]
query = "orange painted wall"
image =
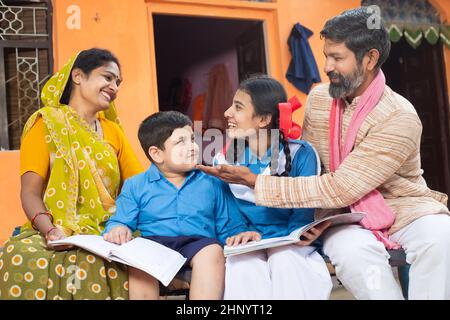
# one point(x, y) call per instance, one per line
point(122, 26)
point(10, 210)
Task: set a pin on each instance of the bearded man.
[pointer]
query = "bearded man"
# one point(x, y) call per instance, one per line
point(368, 140)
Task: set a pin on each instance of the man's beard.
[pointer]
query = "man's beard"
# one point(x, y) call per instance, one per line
point(347, 84)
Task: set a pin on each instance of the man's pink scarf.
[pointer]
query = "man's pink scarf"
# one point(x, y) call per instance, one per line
point(379, 216)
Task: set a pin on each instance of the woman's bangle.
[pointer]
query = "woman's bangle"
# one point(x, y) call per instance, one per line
point(49, 230)
point(47, 213)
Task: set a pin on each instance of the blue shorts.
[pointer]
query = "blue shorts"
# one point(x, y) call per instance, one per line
point(188, 247)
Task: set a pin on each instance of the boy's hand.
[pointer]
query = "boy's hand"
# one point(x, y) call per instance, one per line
point(311, 235)
point(243, 238)
point(118, 235)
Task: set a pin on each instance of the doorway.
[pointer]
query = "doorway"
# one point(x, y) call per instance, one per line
point(419, 76)
point(201, 60)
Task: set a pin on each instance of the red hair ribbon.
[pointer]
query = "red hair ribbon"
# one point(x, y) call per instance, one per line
point(289, 128)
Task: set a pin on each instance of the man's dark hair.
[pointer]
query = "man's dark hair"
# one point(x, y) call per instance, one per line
point(353, 28)
point(158, 127)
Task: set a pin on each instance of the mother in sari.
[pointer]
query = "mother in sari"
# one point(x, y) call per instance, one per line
point(74, 157)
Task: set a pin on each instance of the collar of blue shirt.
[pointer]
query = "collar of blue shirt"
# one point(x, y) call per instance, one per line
point(154, 174)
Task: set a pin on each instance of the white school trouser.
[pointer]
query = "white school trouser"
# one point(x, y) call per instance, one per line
point(362, 265)
point(287, 272)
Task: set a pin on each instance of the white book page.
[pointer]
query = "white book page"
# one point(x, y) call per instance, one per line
point(92, 243)
point(159, 261)
point(343, 218)
point(294, 236)
point(258, 245)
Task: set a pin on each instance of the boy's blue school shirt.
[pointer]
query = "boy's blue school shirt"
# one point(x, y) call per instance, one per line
point(203, 206)
point(275, 222)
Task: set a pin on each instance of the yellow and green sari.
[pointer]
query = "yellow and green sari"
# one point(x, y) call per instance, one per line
point(83, 183)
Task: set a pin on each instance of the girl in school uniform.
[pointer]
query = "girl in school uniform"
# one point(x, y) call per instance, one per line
point(256, 140)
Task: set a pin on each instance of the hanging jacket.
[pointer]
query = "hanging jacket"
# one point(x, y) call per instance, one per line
point(302, 71)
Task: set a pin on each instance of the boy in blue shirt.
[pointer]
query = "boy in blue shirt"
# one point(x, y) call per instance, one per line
point(177, 206)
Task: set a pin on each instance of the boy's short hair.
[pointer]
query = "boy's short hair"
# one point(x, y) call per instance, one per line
point(157, 128)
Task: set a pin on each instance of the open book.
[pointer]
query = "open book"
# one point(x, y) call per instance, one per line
point(157, 260)
point(294, 236)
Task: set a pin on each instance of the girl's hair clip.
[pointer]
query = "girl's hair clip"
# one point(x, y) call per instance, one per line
point(289, 128)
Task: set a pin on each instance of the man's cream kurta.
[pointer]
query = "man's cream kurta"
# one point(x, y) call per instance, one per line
point(386, 156)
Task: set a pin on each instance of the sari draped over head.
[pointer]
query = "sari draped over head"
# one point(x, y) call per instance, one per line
point(83, 182)
point(84, 171)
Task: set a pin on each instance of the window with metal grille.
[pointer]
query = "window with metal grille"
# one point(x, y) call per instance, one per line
point(26, 62)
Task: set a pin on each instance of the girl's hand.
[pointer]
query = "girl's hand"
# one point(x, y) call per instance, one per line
point(118, 235)
point(56, 234)
point(311, 235)
point(243, 238)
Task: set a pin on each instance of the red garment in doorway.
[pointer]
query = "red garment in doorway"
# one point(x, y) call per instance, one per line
point(219, 97)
